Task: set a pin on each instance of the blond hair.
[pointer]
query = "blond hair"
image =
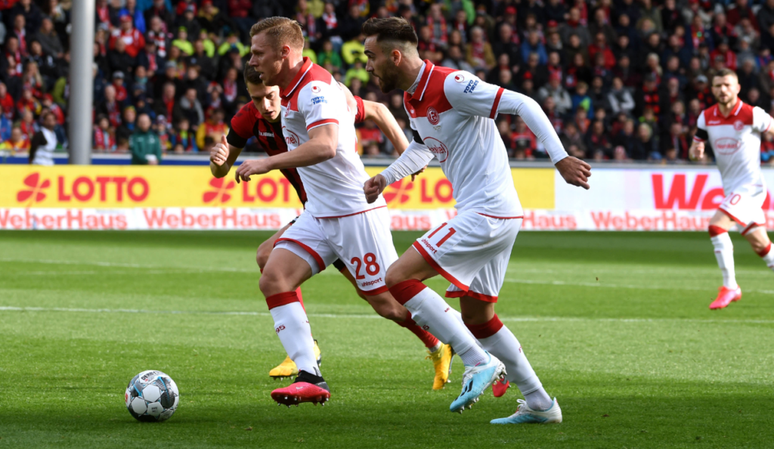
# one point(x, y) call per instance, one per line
point(280, 31)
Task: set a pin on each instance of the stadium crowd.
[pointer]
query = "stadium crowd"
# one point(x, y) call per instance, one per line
point(620, 79)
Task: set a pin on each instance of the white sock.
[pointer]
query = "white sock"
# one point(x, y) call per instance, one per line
point(429, 309)
point(724, 253)
point(768, 258)
point(293, 330)
point(507, 348)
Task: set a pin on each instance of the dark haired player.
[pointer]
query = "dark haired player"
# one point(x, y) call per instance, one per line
point(734, 130)
point(452, 114)
point(261, 118)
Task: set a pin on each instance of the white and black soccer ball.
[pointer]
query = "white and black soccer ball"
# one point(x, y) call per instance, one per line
point(151, 396)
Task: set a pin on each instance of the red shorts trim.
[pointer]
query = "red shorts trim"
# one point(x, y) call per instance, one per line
point(374, 292)
point(438, 268)
point(322, 122)
point(472, 294)
point(355, 213)
point(738, 221)
point(501, 218)
point(750, 227)
point(320, 263)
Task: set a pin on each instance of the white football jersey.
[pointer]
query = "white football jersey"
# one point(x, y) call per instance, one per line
point(452, 111)
point(736, 142)
point(334, 188)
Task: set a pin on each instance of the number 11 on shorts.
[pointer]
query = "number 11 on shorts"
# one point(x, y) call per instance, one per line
point(445, 238)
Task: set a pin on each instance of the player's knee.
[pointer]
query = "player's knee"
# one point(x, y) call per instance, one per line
point(393, 277)
point(262, 255)
point(386, 307)
point(270, 282)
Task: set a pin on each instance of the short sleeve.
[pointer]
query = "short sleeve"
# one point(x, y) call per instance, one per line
point(360, 114)
point(241, 126)
point(470, 95)
point(321, 104)
point(762, 121)
point(701, 129)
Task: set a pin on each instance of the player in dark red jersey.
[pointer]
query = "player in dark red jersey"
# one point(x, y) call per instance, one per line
point(261, 118)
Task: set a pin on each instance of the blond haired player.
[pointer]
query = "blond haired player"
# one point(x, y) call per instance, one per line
point(452, 114)
point(337, 222)
point(260, 118)
point(733, 129)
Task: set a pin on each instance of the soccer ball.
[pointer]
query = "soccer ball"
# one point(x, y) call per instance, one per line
point(151, 396)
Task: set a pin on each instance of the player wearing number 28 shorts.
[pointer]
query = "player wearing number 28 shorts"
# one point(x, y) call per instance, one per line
point(337, 222)
point(733, 129)
point(452, 114)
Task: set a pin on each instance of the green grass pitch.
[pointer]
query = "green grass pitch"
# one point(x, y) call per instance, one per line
point(616, 325)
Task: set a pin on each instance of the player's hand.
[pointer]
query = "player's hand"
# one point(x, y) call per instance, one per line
point(374, 187)
point(219, 152)
point(697, 151)
point(575, 171)
point(414, 176)
point(253, 167)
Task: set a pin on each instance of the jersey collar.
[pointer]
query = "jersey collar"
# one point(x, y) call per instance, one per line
point(734, 111)
point(305, 67)
point(419, 93)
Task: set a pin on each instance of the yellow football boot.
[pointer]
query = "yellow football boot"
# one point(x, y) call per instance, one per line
point(442, 362)
point(288, 367)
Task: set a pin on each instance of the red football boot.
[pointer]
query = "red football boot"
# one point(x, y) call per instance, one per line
point(725, 297)
point(306, 388)
point(499, 387)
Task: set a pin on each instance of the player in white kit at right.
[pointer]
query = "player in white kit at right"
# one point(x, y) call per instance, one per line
point(452, 115)
point(734, 130)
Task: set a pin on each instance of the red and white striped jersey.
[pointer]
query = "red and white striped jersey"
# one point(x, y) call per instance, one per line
point(334, 188)
point(736, 142)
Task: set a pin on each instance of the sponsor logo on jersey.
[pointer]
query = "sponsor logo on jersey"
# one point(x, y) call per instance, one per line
point(726, 145)
point(438, 148)
point(318, 100)
point(459, 78)
point(265, 134)
point(713, 122)
point(471, 87)
point(432, 116)
point(315, 89)
point(290, 137)
point(738, 125)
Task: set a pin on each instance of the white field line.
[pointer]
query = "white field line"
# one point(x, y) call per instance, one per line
point(246, 270)
point(373, 315)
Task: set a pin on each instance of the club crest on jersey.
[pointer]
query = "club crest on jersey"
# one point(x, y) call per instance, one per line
point(437, 148)
point(432, 116)
point(738, 125)
point(459, 78)
point(315, 89)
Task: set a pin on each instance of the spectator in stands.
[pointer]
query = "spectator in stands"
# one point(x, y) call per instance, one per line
point(103, 137)
point(554, 89)
point(49, 39)
point(479, 52)
point(18, 143)
point(144, 143)
point(6, 102)
point(166, 105)
point(119, 59)
point(182, 139)
point(127, 126)
point(213, 127)
point(44, 142)
point(133, 39)
point(190, 107)
point(5, 125)
point(533, 45)
point(597, 141)
point(644, 147)
point(158, 9)
point(574, 27)
point(328, 55)
point(619, 98)
point(182, 42)
point(110, 107)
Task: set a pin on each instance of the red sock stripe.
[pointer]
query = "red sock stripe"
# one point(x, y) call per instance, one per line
point(716, 230)
point(300, 298)
point(404, 291)
point(282, 299)
point(487, 329)
point(765, 251)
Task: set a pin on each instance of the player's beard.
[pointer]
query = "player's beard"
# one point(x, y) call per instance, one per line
point(388, 80)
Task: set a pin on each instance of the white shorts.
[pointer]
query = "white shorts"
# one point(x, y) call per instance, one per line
point(472, 252)
point(745, 209)
point(362, 241)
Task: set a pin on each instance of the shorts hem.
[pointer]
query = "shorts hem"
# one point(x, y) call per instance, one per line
point(751, 226)
point(313, 253)
point(731, 216)
point(472, 294)
point(438, 268)
point(374, 292)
